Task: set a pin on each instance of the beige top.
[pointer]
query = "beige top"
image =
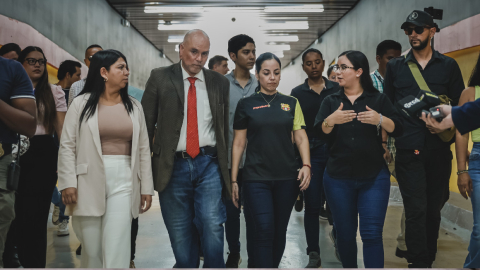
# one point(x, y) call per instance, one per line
point(116, 129)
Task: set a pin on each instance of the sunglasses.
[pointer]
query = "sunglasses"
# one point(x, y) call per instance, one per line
point(418, 29)
point(33, 61)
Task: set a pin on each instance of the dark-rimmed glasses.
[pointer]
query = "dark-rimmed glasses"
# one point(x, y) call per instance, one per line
point(418, 29)
point(33, 61)
point(341, 68)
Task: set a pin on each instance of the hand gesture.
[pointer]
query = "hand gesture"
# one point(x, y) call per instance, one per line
point(369, 117)
point(304, 176)
point(235, 194)
point(341, 117)
point(464, 183)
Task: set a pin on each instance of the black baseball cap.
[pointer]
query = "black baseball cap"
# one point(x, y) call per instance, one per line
point(420, 18)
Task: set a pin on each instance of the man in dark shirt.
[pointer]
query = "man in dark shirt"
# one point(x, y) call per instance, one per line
point(310, 95)
point(17, 115)
point(424, 161)
point(69, 72)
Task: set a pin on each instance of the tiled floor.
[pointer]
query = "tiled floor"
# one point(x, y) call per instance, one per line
point(154, 251)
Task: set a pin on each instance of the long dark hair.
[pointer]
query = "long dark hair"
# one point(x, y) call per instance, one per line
point(95, 84)
point(359, 60)
point(262, 58)
point(46, 109)
point(475, 77)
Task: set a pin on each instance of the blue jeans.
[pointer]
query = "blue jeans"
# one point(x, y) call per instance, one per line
point(367, 198)
point(57, 201)
point(473, 258)
point(193, 209)
point(315, 197)
point(268, 205)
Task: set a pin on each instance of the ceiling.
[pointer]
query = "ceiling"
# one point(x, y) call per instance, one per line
point(273, 25)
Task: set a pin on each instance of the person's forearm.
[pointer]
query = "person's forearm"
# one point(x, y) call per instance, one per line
point(237, 151)
point(59, 123)
point(325, 129)
point(388, 125)
point(18, 120)
point(461, 150)
point(304, 149)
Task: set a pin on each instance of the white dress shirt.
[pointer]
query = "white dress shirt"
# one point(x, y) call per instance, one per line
point(206, 132)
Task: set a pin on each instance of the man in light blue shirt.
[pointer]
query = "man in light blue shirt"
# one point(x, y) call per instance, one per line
point(241, 49)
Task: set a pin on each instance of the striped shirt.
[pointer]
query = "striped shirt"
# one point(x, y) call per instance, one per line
point(377, 80)
point(76, 88)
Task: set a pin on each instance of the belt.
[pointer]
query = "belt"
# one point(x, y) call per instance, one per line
point(207, 150)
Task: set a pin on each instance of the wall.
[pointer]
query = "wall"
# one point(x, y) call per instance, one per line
point(372, 21)
point(73, 25)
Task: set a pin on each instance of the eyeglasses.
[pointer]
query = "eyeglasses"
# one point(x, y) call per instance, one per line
point(33, 61)
point(418, 29)
point(341, 68)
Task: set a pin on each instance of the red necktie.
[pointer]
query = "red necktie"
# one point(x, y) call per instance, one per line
point(193, 148)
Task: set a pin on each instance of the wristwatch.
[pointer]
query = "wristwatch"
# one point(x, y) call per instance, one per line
point(325, 123)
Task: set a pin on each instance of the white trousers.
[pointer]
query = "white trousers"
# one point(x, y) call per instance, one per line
point(106, 239)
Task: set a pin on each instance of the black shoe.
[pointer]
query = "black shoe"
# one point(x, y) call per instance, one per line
point(299, 203)
point(234, 260)
point(314, 260)
point(401, 253)
point(10, 260)
point(323, 214)
point(79, 250)
point(419, 265)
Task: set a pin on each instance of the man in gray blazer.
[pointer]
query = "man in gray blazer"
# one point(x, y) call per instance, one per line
point(190, 105)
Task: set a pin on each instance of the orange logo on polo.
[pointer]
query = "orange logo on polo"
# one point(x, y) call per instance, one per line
point(285, 107)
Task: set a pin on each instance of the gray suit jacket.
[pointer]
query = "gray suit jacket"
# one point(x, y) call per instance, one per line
point(163, 103)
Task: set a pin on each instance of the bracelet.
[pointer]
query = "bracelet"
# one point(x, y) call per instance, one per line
point(460, 172)
point(379, 124)
point(234, 182)
point(307, 166)
point(384, 142)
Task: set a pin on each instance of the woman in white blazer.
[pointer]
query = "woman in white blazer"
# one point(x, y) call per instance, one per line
point(104, 163)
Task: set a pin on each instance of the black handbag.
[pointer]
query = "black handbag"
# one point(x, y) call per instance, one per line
point(13, 174)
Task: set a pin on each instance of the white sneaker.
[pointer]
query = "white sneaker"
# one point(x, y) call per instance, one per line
point(63, 228)
point(55, 215)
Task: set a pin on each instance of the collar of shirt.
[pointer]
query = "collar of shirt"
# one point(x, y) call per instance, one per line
point(379, 76)
point(231, 77)
point(341, 94)
point(411, 57)
point(328, 84)
point(185, 74)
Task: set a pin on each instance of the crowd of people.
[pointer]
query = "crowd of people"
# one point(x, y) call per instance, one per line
point(212, 143)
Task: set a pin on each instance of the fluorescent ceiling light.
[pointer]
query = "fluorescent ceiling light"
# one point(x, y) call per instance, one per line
point(282, 38)
point(177, 48)
point(175, 39)
point(295, 9)
point(177, 27)
point(173, 9)
point(285, 18)
point(232, 9)
point(285, 26)
point(279, 47)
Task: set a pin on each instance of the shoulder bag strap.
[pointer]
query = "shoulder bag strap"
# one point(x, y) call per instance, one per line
point(418, 76)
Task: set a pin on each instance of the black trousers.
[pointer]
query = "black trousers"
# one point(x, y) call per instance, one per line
point(134, 238)
point(37, 180)
point(423, 178)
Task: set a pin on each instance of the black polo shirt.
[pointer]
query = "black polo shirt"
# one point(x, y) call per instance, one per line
point(310, 102)
point(270, 153)
point(355, 148)
point(443, 77)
